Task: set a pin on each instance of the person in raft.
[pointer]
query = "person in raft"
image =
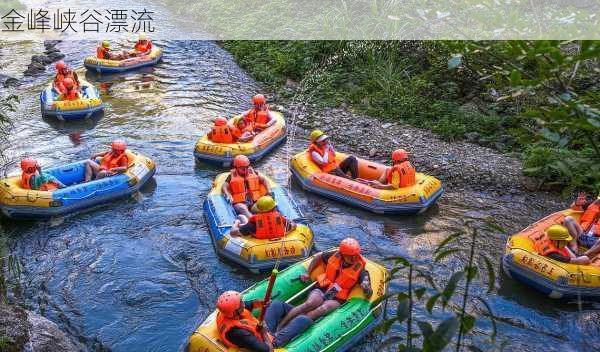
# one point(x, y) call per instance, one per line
point(63, 72)
point(244, 186)
point(33, 178)
point(266, 223)
point(143, 46)
point(70, 92)
point(113, 162)
point(344, 269)
point(239, 329)
point(555, 246)
point(220, 132)
point(254, 120)
point(586, 232)
point(400, 174)
point(321, 152)
point(103, 51)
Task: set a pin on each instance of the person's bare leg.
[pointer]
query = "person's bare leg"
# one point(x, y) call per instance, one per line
point(242, 209)
point(315, 299)
point(323, 309)
point(91, 168)
point(593, 251)
point(574, 230)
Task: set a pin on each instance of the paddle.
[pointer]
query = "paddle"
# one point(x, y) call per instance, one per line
point(267, 298)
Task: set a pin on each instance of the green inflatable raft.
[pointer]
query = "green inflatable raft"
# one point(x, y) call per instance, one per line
point(337, 331)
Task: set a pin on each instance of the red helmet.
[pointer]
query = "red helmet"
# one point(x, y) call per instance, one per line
point(118, 145)
point(60, 65)
point(220, 121)
point(241, 161)
point(399, 155)
point(258, 99)
point(349, 246)
point(68, 83)
point(28, 164)
point(229, 302)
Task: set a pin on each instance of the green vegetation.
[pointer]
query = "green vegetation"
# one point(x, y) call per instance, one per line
point(452, 301)
point(537, 99)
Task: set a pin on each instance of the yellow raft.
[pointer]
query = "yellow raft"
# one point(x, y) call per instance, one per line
point(406, 200)
point(552, 278)
point(338, 331)
point(95, 64)
point(255, 149)
point(252, 253)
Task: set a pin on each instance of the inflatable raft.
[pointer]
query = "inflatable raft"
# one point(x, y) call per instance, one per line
point(86, 106)
point(92, 63)
point(16, 202)
point(256, 254)
point(338, 331)
point(552, 278)
point(406, 200)
point(255, 149)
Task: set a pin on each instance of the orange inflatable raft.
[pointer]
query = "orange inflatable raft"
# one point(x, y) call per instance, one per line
point(406, 200)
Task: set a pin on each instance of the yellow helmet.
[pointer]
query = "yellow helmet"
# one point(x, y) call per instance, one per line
point(143, 36)
point(105, 43)
point(317, 135)
point(558, 233)
point(264, 204)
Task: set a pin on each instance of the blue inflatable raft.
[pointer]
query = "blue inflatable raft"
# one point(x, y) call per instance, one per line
point(88, 104)
point(257, 255)
point(19, 203)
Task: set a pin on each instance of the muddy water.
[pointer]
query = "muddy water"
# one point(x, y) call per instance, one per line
point(141, 274)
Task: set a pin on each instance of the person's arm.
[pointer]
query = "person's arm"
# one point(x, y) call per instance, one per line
point(97, 155)
point(264, 181)
point(247, 229)
point(316, 157)
point(226, 190)
point(559, 257)
point(272, 119)
point(235, 229)
point(290, 225)
point(365, 282)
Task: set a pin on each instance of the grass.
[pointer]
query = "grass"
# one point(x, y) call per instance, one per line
point(405, 81)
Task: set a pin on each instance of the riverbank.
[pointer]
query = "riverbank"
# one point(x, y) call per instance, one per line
point(22, 330)
point(462, 166)
point(427, 85)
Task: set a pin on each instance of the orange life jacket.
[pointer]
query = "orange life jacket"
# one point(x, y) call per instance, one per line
point(269, 225)
point(261, 118)
point(244, 187)
point(70, 95)
point(245, 321)
point(546, 247)
point(401, 175)
point(109, 161)
point(102, 53)
point(335, 273)
point(26, 178)
point(331, 163)
point(591, 216)
point(143, 47)
point(221, 134)
point(246, 124)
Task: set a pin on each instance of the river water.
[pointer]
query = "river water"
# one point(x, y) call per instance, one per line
point(141, 274)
